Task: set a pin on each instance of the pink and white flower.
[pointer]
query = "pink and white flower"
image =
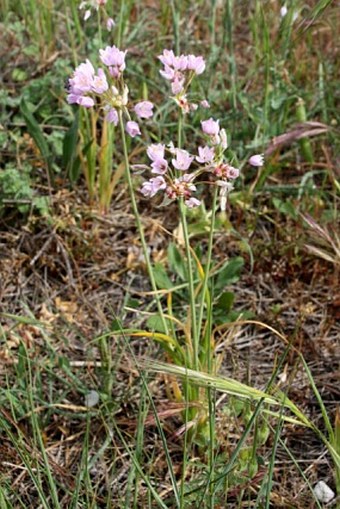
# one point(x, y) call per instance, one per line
point(114, 58)
point(143, 109)
point(192, 202)
point(177, 86)
point(205, 154)
point(152, 186)
point(159, 166)
point(112, 116)
point(110, 23)
point(183, 160)
point(155, 151)
point(178, 69)
point(232, 173)
point(132, 128)
point(82, 100)
point(196, 64)
point(168, 58)
point(257, 160)
point(100, 84)
point(210, 127)
point(205, 104)
point(82, 79)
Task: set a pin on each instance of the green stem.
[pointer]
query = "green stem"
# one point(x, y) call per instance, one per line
point(195, 338)
point(139, 224)
point(205, 295)
point(99, 28)
point(180, 129)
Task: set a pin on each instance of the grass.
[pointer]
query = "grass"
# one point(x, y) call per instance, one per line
point(73, 278)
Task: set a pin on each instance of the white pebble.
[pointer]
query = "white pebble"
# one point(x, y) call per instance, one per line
point(91, 399)
point(323, 492)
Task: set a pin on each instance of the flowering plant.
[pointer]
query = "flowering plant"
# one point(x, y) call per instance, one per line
point(104, 93)
point(177, 174)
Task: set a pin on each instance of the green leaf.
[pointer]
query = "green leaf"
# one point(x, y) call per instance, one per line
point(161, 278)
point(229, 273)
point(176, 261)
point(19, 75)
point(285, 207)
point(70, 150)
point(37, 134)
point(226, 301)
point(155, 323)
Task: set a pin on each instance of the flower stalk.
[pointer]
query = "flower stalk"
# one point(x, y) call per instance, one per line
point(139, 223)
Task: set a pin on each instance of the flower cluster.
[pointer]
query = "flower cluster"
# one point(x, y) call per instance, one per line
point(88, 4)
point(180, 70)
point(96, 4)
point(174, 178)
point(106, 87)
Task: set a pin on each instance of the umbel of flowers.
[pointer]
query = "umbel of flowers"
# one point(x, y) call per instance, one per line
point(105, 89)
point(177, 172)
point(180, 71)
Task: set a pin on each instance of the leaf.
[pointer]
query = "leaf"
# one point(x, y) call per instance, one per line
point(285, 207)
point(226, 301)
point(176, 261)
point(70, 150)
point(37, 134)
point(155, 323)
point(161, 278)
point(229, 273)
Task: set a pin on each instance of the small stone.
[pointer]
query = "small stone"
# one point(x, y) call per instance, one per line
point(91, 399)
point(323, 492)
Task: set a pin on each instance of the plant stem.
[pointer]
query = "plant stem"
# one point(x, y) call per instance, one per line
point(139, 224)
point(195, 338)
point(208, 264)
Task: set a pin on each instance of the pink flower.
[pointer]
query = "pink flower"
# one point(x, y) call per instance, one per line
point(82, 100)
point(168, 73)
point(205, 154)
point(232, 173)
point(82, 79)
point(192, 202)
point(100, 83)
point(87, 102)
point(143, 109)
point(205, 104)
point(110, 24)
point(183, 160)
point(132, 128)
point(114, 59)
point(181, 186)
point(177, 86)
point(152, 186)
point(159, 166)
point(167, 58)
point(257, 160)
point(210, 127)
point(177, 69)
point(156, 151)
point(181, 63)
point(87, 14)
point(196, 64)
point(112, 116)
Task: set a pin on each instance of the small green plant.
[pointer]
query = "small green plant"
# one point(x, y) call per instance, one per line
point(16, 190)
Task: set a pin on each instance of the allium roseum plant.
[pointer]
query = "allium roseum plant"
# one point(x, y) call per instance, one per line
point(179, 175)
